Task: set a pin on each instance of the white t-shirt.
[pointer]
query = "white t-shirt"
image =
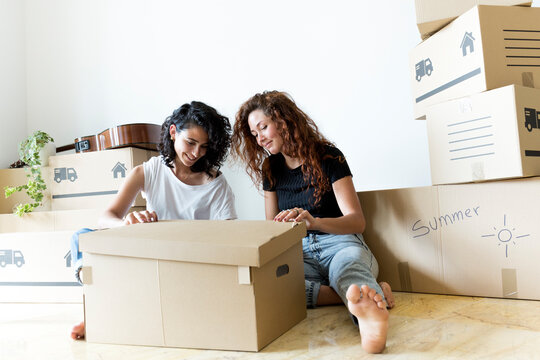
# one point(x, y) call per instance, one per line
point(172, 199)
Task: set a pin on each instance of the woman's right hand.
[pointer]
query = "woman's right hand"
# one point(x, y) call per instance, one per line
point(140, 217)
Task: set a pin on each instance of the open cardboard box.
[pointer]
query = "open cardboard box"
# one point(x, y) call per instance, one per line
point(231, 285)
point(433, 15)
point(486, 136)
point(486, 48)
point(473, 239)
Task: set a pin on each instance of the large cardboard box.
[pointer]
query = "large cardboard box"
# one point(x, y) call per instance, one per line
point(471, 239)
point(35, 258)
point(91, 180)
point(433, 15)
point(231, 285)
point(485, 48)
point(486, 136)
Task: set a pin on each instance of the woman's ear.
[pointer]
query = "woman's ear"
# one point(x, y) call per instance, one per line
point(172, 131)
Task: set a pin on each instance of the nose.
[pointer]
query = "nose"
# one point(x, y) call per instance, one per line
point(260, 138)
point(199, 151)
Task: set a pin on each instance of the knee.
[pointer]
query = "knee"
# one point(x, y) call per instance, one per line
point(75, 253)
point(351, 259)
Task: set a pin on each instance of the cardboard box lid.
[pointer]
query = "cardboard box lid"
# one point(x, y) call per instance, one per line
point(226, 242)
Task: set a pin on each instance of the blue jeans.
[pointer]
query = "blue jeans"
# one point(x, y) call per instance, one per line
point(76, 255)
point(337, 261)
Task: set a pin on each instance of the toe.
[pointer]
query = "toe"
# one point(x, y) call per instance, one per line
point(353, 294)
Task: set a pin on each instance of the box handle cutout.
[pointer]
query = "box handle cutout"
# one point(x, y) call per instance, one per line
point(282, 270)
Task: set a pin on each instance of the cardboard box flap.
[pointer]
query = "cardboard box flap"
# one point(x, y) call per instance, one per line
point(244, 243)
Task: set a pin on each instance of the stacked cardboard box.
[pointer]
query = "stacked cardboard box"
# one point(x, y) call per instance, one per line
point(474, 83)
point(35, 258)
point(433, 15)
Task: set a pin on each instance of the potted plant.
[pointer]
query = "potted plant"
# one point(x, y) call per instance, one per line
point(33, 151)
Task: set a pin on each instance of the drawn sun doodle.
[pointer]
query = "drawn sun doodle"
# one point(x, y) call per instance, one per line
point(505, 236)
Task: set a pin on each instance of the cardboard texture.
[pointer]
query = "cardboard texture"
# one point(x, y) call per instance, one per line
point(433, 15)
point(91, 180)
point(230, 285)
point(486, 136)
point(486, 48)
point(35, 258)
point(470, 239)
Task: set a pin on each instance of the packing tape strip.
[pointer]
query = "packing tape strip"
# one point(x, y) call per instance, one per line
point(86, 278)
point(404, 276)
point(244, 275)
point(477, 171)
point(509, 283)
point(527, 79)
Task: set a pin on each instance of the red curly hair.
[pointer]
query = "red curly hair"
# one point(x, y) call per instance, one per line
point(301, 139)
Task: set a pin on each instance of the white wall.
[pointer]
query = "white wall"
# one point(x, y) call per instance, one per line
point(12, 81)
point(96, 64)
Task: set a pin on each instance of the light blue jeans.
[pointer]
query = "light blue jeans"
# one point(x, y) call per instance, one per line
point(76, 255)
point(337, 261)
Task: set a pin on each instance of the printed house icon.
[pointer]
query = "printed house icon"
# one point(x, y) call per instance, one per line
point(119, 169)
point(67, 257)
point(467, 42)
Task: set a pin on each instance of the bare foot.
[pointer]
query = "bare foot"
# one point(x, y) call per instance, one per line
point(370, 310)
point(78, 332)
point(387, 291)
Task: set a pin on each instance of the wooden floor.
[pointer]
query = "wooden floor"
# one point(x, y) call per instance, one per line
point(421, 327)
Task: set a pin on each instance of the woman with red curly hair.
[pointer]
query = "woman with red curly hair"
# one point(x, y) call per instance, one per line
point(306, 178)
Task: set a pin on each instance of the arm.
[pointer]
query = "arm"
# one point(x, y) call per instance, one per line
point(352, 221)
point(114, 214)
point(271, 208)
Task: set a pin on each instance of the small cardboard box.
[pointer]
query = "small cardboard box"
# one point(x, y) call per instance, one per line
point(91, 180)
point(471, 239)
point(433, 15)
point(486, 136)
point(230, 285)
point(35, 257)
point(486, 48)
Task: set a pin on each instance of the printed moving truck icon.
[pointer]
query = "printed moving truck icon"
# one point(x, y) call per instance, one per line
point(65, 173)
point(8, 257)
point(424, 67)
point(532, 119)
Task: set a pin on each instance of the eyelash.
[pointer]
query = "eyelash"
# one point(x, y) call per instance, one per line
point(264, 127)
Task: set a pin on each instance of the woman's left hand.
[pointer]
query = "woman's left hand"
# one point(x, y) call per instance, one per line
point(297, 215)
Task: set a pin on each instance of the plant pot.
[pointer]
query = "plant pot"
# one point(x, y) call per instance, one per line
point(48, 150)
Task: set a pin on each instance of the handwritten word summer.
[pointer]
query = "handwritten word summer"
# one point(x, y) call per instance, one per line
point(424, 227)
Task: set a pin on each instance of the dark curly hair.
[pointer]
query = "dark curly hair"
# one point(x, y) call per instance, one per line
point(301, 139)
point(216, 126)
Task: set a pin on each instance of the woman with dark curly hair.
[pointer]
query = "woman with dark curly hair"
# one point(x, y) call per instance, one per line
point(184, 182)
point(306, 178)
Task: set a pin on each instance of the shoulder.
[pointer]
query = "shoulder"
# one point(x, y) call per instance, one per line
point(332, 150)
point(333, 153)
point(153, 163)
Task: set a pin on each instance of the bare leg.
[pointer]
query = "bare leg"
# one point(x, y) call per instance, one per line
point(327, 296)
point(370, 310)
point(387, 291)
point(78, 332)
